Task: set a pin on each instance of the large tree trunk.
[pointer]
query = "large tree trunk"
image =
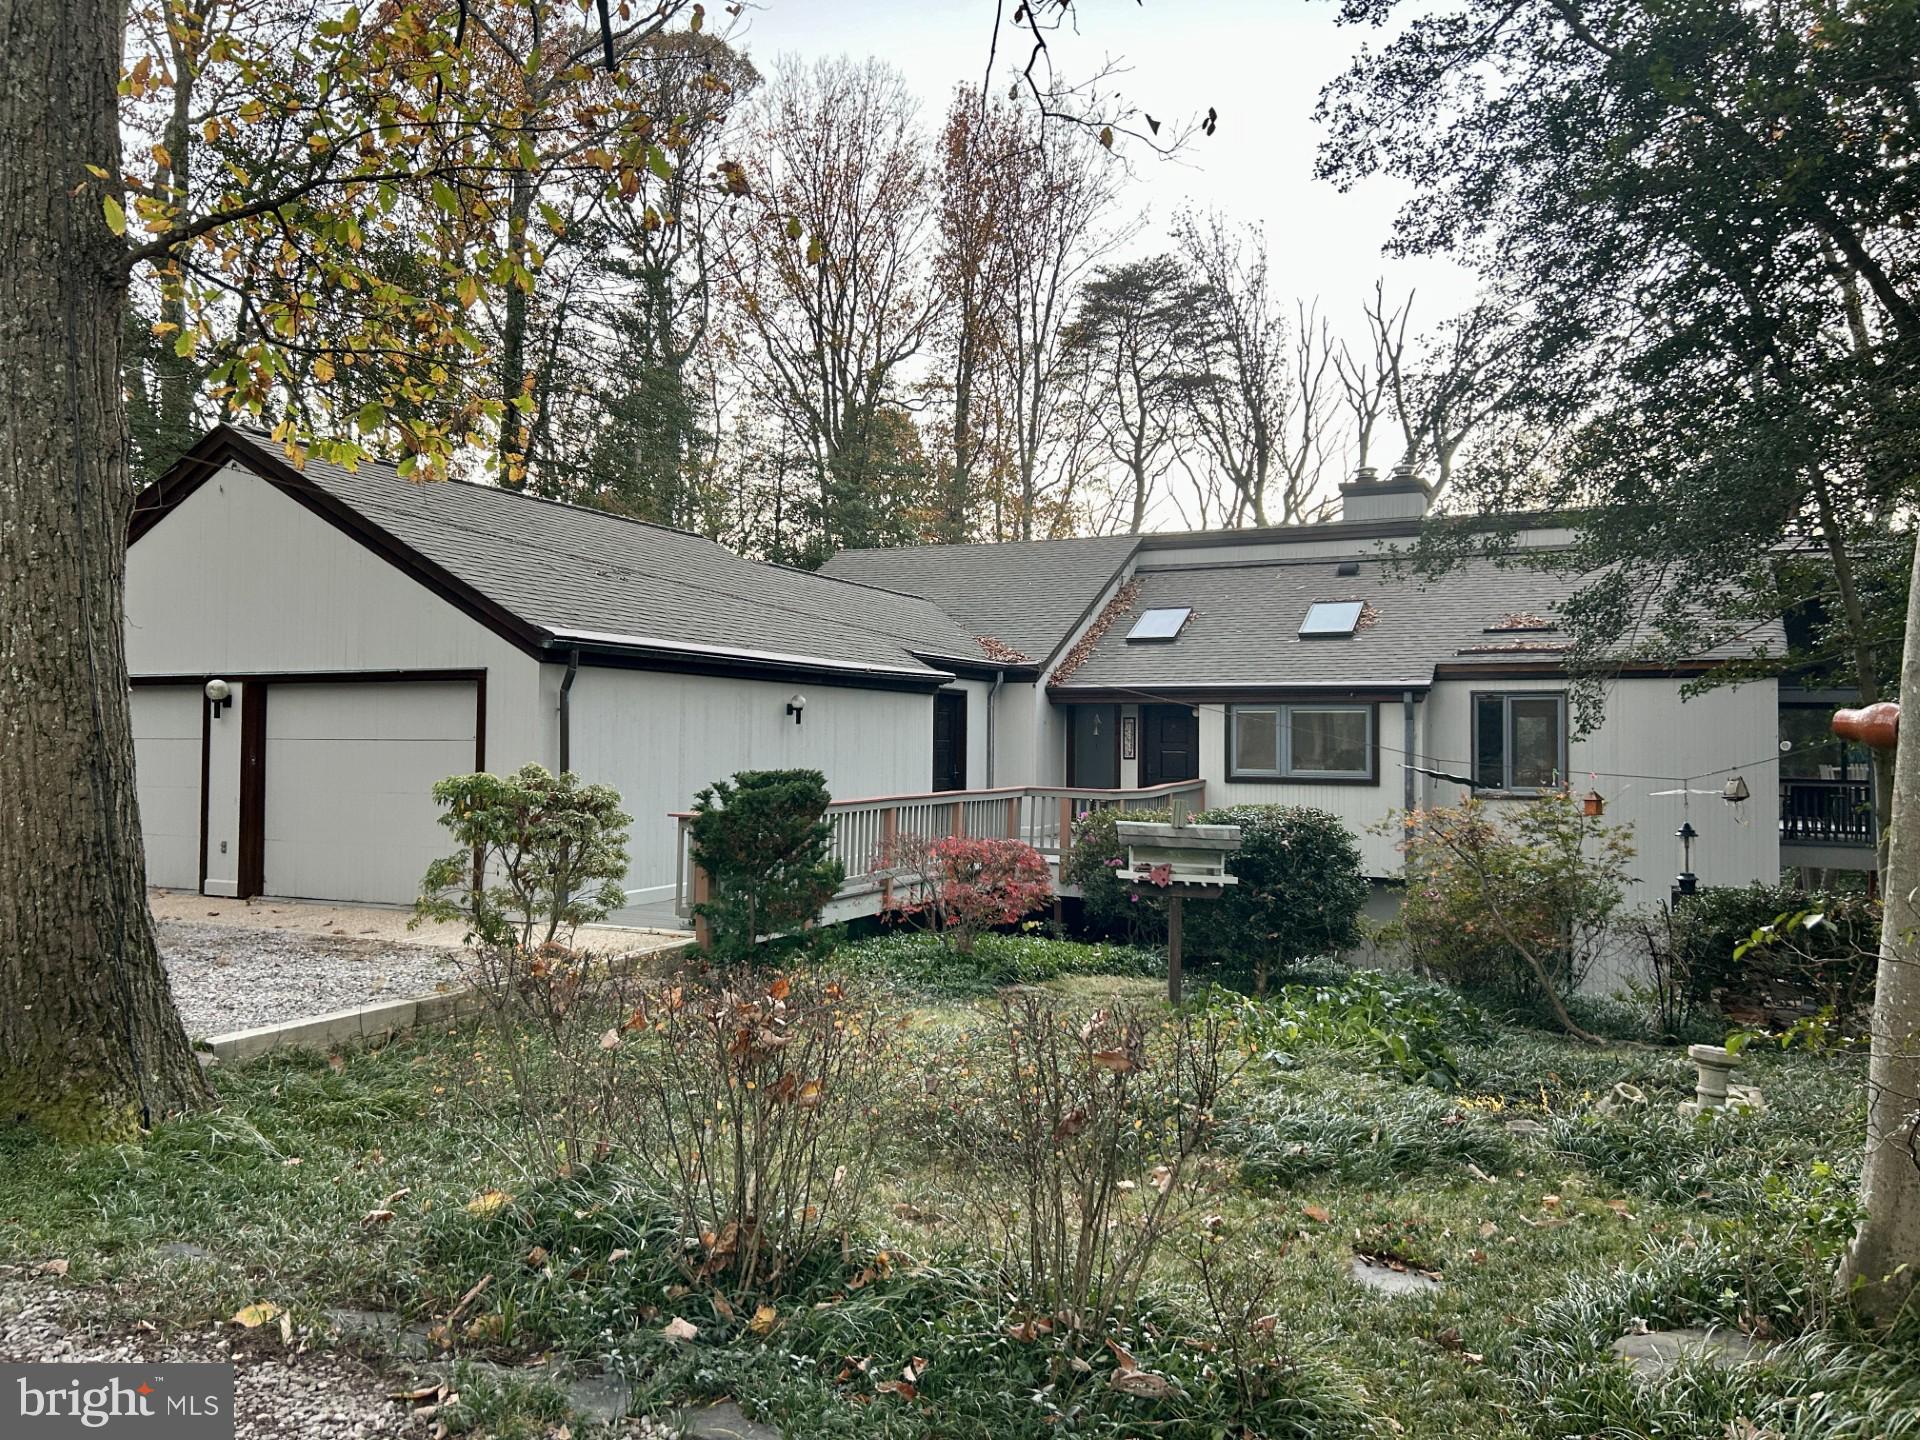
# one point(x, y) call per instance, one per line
point(90, 1046)
point(1883, 1265)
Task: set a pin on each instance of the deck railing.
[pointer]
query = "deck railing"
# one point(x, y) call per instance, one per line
point(865, 831)
point(1826, 812)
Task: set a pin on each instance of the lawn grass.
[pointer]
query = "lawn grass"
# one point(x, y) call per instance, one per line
point(1372, 1117)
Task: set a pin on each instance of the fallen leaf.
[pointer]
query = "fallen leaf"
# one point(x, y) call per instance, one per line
point(489, 1203)
point(487, 1329)
point(1125, 1359)
point(764, 1319)
point(52, 1267)
point(610, 1040)
point(537, 1256)
point(376, 1217)
point(1488, 1229)
point(252, 1317)
point(616, 1256)
point(1118, 1061)
point(678, 1329)
point(1142, 1383)
point(1549, 1202)
point(1317, 1213)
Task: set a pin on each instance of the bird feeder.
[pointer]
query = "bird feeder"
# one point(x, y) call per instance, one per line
point(1735, 790)
point(1183, 862)
point(1593, 805)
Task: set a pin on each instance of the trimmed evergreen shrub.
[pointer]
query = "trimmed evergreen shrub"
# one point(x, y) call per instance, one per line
point(764, 840)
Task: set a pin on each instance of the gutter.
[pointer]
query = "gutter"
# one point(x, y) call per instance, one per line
point(566, 709)
point(1407, 749)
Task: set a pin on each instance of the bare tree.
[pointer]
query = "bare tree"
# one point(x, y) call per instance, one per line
point(1367, 380)
point(829, 273)
point(1261, 403)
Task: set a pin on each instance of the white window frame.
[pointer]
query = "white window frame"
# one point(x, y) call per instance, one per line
point(1283, 711)
point(1507, 697)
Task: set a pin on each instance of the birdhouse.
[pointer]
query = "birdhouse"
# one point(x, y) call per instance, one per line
point(1593, 804)
point(1735, 790)
point(1178, 858)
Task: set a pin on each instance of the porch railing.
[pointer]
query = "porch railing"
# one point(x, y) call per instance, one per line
point(865, 830)
point(1826, 812)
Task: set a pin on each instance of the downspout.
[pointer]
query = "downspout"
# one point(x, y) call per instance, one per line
point(566, 709)
point(993, 696)
point(1408, 756)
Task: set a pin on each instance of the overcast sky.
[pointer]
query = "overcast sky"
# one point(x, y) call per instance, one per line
point(1261, 63)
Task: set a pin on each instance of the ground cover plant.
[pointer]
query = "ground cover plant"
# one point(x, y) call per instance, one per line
point(1547, 1184)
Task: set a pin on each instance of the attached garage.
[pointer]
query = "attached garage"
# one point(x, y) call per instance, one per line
point(168, 742)
point(345, 800)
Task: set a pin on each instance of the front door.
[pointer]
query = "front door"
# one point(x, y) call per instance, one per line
point(950, 740)
point(1169, 744)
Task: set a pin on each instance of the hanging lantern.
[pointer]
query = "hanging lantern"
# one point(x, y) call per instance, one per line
point(1735, 790)
point(1593, 804)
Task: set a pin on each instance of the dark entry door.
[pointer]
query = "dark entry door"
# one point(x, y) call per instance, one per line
point(1169, 744)
point(950, 740)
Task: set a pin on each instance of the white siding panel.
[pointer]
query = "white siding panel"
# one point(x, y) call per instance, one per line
point(166, 753)
point(242, 579)
point(350, 771)
point(659, 738)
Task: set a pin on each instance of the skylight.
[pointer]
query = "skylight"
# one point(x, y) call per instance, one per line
point(1331, 617)
point(1159, 624)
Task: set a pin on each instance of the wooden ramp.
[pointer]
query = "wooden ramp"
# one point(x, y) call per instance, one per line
point(865, 831)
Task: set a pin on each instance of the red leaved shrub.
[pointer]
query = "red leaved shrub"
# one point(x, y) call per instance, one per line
point(963, 886)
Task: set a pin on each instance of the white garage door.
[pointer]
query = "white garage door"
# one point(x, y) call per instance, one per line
point(166, 773)
point(350, 769)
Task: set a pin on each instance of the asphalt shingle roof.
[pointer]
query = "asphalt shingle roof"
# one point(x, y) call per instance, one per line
point(1024, 593)
point(1246, 622)
point(572, 571)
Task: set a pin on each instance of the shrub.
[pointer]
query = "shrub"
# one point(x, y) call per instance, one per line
point(1103, 1117)
point(1110, 904)
point(765, 842)
point(964, 886)
point(742, 1106)
point(1515, 901)
point(1300, 890)
point(539, 854)
point(1811, 946)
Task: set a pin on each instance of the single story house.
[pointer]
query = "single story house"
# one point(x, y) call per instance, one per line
point(374, 635)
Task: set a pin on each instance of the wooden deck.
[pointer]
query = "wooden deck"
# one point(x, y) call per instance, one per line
point(865, 831)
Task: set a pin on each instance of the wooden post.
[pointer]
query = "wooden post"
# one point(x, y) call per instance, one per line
point(959, 817)
point(1013, 818)
point(889, 834)
point(1173, 950)
point(702, 888)
point(1066, 827)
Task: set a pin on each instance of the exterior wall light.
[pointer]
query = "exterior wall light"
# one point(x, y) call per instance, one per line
point(220, 694)
point(797, 708)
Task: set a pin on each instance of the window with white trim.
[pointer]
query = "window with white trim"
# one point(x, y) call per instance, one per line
point(1520, 740)
point(1301, 742)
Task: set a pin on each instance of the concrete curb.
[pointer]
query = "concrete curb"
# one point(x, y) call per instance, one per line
point(377, 1021)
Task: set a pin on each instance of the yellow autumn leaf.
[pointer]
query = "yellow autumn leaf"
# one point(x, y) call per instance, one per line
point(116, 217)
point(489, 1203)
point(253, 1316)
point(763, 1320)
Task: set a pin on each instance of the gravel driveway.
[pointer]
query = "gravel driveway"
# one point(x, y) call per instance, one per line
point(228, 977)
point(316, 1396)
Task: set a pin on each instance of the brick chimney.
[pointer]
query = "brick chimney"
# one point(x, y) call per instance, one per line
point(1403, 495)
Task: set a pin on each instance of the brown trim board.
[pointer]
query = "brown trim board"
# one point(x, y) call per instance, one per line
point(251, 862)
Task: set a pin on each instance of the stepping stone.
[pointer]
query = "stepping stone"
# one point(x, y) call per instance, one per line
point(1658, 1351)
point(1385, 1280)
point(600, 1399)
point(724, 1422)
point(183, 1250)
point(382, 1328)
